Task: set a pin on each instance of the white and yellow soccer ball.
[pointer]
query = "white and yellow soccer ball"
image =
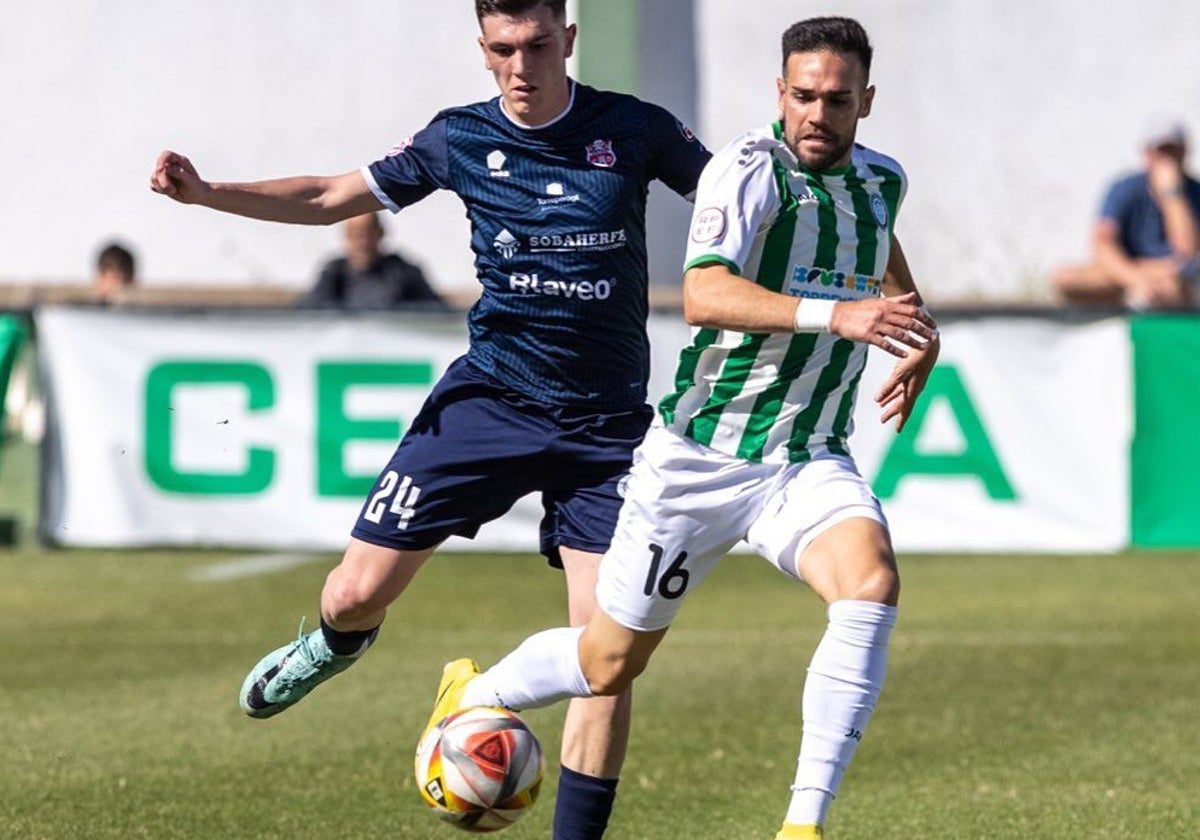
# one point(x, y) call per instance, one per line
point(480, 769)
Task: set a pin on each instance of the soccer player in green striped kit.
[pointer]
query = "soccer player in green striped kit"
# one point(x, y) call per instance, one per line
point(793, 271)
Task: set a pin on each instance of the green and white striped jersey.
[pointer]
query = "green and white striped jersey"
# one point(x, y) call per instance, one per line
point(783, 397)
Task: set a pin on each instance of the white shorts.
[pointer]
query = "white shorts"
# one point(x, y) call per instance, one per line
point(687, 505)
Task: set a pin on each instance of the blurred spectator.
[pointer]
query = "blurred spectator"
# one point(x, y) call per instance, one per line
point(116, 271)
point(366, 277)
point(1146, 243)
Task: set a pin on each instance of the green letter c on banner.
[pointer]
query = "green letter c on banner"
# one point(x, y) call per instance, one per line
point(161, 383)
point(978, 457)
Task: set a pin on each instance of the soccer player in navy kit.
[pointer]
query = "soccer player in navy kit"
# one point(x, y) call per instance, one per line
point(550, 397)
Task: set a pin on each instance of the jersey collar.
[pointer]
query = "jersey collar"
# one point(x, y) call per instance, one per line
point(548, 123)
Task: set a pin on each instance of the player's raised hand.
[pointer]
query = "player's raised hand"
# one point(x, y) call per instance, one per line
point(898, 394)
point(175, 176)
point(891, 323)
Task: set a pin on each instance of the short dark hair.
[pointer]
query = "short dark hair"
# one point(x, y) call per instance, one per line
point(840, 35)
point(116, 257)
point(483, 8)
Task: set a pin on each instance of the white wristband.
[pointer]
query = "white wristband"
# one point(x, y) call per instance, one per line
point(813, 316)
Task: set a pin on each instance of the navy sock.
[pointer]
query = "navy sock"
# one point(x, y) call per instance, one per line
point(348, 642)
point(583, 806)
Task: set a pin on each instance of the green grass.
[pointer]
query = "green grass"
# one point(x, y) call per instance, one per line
point(1028, 697)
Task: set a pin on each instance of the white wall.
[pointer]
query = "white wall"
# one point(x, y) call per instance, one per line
point(1008, 116)
point(248, 90)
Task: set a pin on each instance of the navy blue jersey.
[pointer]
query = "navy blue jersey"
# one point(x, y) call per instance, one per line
point(559, 234)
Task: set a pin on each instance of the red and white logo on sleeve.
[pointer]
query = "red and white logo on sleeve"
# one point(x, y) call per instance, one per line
point(400, 147)
point(709, 225)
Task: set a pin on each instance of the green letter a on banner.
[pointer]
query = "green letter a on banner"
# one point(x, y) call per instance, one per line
point(978, 457)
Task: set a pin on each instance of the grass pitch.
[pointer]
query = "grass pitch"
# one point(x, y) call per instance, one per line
point(1028, 697)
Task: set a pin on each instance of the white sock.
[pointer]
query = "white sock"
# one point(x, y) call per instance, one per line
point(542, 670)
point(843, 684)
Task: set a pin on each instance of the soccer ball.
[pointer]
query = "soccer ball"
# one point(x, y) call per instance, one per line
point(480, 769)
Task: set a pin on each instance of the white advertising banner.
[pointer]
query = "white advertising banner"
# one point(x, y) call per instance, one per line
point(1021, 441)
point(267, 430)
point(234, 429)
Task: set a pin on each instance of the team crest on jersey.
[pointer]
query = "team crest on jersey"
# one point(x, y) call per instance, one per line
point(709, 225)
point(600, 153)
point(399, 147)
point(879, 210)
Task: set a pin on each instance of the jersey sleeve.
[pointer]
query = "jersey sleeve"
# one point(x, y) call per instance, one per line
point(903, 189)
point(412, 169)
point(679, 157)
point(737, 196)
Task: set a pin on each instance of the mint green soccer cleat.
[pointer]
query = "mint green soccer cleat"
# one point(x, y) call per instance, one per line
point(283, 677)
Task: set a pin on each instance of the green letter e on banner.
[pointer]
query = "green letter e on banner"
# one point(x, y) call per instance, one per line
point(336, 429)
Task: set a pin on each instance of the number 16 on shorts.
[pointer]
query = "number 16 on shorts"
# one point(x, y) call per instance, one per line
point(673, 580)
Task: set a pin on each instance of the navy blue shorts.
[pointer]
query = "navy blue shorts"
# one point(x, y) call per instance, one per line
point(476, 447)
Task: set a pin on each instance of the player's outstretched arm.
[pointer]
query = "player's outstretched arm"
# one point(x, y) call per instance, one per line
point(306, 200)
point(715, 297)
